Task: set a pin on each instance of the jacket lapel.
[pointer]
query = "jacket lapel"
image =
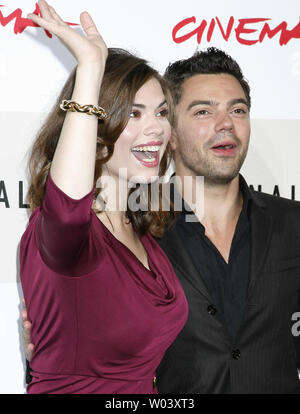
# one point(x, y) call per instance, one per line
point(180, 258)
point(181, 261)
point(261, 232)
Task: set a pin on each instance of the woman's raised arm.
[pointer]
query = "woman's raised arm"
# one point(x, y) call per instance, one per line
point(63, 228)
point(73, 165)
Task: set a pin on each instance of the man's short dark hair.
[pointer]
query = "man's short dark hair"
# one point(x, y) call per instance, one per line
point(211, 61)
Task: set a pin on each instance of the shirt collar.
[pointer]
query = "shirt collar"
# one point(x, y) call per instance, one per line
point(248, 197)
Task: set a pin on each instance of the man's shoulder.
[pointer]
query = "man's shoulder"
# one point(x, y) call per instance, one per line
point(282, 211)
point(276, 202)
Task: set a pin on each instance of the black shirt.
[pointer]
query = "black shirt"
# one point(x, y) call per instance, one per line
point(227, 283)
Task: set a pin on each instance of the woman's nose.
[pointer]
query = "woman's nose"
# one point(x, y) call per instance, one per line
point(153, 126)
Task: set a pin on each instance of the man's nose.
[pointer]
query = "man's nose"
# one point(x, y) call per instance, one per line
point(224, 122)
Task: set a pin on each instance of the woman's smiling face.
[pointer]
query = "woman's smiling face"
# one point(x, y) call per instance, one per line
point(141, 145)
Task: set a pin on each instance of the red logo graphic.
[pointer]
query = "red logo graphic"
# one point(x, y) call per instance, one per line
point(243, 27)
point(21, 23)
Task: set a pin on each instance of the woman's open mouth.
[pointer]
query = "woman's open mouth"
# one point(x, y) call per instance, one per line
point(147, 155)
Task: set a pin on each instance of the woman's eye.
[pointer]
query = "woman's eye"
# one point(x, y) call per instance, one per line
point(163, 113)
point(134, 114)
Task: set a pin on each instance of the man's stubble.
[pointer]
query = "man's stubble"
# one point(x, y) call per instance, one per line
point(202, 162)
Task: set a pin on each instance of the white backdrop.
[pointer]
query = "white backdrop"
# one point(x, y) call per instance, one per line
point(33, 68)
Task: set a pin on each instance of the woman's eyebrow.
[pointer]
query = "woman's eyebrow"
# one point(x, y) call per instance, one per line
point(144, 106)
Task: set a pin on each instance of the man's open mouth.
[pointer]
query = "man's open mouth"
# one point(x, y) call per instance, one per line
point(225, 146)
point(224, 149)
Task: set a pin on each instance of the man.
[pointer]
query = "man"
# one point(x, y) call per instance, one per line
point(239, 263)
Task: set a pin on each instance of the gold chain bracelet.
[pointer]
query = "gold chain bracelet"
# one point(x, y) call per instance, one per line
point(87, 109)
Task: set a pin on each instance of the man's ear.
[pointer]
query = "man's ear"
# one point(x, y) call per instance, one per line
point(173, 140)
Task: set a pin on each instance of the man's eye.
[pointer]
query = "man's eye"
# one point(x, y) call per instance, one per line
point(202, 112)
point(239, 111)
point(134, 114)
point(163, 113)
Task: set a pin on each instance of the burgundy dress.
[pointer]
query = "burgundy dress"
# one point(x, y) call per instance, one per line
point(101, 321)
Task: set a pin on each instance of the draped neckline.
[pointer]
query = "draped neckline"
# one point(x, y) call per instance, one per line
point(153, 281)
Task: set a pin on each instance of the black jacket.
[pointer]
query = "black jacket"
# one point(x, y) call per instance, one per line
point(265, 355)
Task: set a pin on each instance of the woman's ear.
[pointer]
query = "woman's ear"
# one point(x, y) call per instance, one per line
point(103, 151)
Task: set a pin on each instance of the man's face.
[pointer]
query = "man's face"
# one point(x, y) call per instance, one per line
point(213, 128)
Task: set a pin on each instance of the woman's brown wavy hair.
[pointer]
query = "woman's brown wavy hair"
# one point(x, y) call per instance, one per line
point(124, 75)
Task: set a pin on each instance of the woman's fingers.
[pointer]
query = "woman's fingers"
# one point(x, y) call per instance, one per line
point(24, 311)
point(86, 49)
point(40, 21)
point(49, 19)
point(44, 8)
point(55, 16)
point(91, 31)
point(26, 333)
point(26, 337)
point(29, 352)
point(26, 327)
point(88, 24)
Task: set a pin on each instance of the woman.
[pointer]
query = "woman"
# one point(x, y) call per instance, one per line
point(102, 297)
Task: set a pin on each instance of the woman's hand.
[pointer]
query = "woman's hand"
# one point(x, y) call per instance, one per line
point(28, 347)
point(89, 49)
point(73, 164)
